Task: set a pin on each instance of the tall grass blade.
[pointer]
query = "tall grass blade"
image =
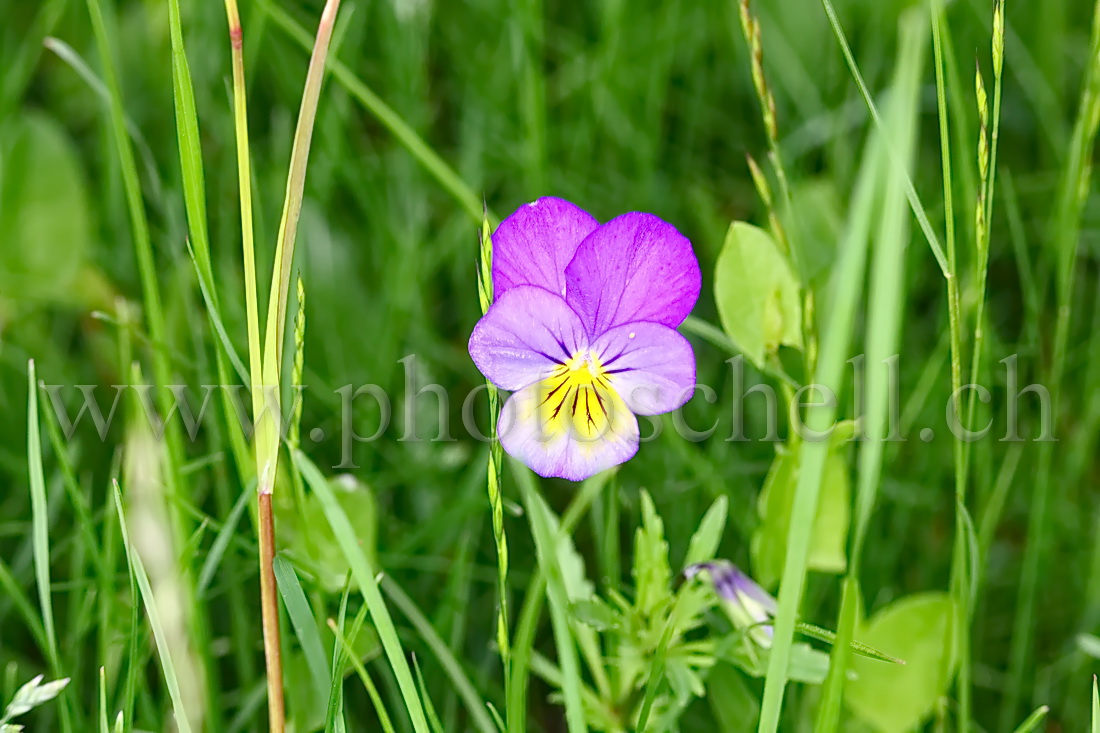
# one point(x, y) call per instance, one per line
point(1067, 227)
point(839, 316)
point(368, 587)
point(40, 520)
point(910, 192)
point(883, 329)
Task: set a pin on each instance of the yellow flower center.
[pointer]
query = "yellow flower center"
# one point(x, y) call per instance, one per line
point(578, 399)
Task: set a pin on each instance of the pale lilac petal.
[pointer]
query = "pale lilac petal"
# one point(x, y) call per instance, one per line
point(651, 366)
point(526, 334)
point(635, 267)
point(535, 243)
point(558, 445)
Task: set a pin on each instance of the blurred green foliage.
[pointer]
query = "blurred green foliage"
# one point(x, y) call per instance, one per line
point(617, 106)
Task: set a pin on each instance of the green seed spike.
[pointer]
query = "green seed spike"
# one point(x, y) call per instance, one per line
point(983, 120)
point(294, 436)
point(496, 453)
point(998, 37)
point(816, 632)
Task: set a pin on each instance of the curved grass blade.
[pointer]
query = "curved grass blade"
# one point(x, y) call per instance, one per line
point(137, 570)
point(305, 626)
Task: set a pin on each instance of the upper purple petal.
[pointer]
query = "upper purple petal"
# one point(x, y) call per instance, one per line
point(526, 333)
point(636, 267)
point(535, 243)
point(651, 366)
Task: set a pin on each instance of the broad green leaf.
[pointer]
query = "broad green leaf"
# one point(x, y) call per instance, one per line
point(806, 664)
point(757, 293)
point(309, 538)
point(896, 698)
point(734, 705)
point(45, 230)
point(828, 544)
point(652, 575)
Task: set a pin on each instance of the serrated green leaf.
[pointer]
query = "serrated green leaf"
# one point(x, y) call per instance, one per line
point(757, 293)
point(704, 542)
point(895, 698)
point(596, 614)
point(652, 574)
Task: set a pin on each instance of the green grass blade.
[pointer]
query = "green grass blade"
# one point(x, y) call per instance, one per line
point(364, 677)
point(1067, 225)
point(429, 707)
point(221, 541)
point(335, 708)
point(40, 518)
point(839, 316)
point(368, 587)
point(14, 592)
point(443, 173)
point(104, 723)
point(305, 626)
point(1095, 707)
point(523, 643)
point(886, 299)
point(544, 530)
point(1032, 721)
point(137, 570)
point(910, 192)
point(446, 657)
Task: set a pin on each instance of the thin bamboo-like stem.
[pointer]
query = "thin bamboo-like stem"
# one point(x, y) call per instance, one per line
point(269, 604)
point(265, 362)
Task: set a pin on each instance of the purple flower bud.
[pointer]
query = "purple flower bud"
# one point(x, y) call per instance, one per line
point(748, 606)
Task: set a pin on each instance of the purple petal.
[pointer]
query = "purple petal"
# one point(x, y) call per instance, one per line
point(651, 366)
point(535, 243)
point(524, 336)
point(635, 267)
point(547, 429)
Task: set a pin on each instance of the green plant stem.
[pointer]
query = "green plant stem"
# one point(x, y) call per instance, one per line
point(955, 324)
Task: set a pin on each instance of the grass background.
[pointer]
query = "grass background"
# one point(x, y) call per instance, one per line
point(616, 107)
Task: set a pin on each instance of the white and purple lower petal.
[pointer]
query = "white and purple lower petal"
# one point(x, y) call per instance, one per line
point(552, 446)
point(526, 334)
point(636, 267)
point(650, 365)
point(535, 243)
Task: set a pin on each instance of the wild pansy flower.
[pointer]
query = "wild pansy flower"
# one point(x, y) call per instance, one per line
point(583, 332)
point(750, 607)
